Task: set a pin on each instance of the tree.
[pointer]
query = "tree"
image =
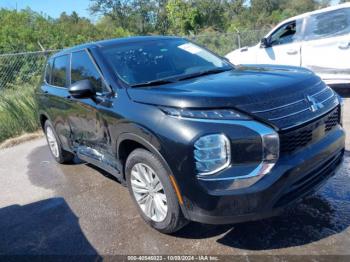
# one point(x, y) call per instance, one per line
point(184, 16)
point(137, 16)
point(24, 30)
point(106, 28)
point(162, 24)
point(117, 10)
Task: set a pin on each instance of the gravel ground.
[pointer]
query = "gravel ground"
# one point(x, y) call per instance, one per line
point(47, 208)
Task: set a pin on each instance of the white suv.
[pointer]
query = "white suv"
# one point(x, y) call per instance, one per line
point(318, 40)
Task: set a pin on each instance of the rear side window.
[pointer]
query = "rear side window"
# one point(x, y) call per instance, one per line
point(328, 24)
point(48, 71)
point(83, 68)
point(59, 71)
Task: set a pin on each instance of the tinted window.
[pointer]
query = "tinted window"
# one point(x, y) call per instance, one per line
point(146, 61)
point(59, 71)
point(48, 72)
point(328, 24)
point(287, 33)
point(84, 68)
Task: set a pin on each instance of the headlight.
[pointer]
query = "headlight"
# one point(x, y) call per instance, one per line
point(223, 114)
point(212, 154)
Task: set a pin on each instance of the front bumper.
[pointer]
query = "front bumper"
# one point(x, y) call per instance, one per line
point(293, 177)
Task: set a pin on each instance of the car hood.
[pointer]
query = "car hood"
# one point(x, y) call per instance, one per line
point(260, 90)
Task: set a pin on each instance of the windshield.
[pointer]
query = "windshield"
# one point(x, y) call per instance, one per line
point(151, 61)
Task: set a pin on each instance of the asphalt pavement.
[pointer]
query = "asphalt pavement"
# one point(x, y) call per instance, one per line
point(77, 209)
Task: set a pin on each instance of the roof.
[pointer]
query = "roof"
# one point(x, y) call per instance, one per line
point(115, 41)
point(330, 8)
point(327, 9)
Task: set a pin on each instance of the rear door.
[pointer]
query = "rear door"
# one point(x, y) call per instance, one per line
point(284, 45)
point(57, 96)
point(326, 48)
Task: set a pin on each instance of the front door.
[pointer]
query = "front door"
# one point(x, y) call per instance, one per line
point(87, 134)
point(283, 45)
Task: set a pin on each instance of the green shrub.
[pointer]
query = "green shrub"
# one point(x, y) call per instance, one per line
point(18, 111)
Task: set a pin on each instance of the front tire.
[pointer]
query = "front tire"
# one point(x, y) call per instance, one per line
point(151, 189)
point(60, 155)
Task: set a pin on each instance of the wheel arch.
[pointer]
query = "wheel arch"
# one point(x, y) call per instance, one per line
point(43, 117)
point(127, 142)
point(143, 143)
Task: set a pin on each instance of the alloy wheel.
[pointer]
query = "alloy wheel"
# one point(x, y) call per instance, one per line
point(149, 192)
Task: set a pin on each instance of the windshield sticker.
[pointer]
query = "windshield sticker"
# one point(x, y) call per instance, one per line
point(191, 48)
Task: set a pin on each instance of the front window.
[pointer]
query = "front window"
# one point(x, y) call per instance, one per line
point(83, 68)
point(149, 61)
point(287, 33)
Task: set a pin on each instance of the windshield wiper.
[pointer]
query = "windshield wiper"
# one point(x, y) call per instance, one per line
point(206, 72)
point(176, 79)
point(153, 83)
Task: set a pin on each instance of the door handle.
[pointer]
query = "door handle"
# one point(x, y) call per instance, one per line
point(344, 45)
point(292, 52)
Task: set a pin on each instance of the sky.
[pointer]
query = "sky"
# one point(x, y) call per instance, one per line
point(51, 8)
point(54, 8)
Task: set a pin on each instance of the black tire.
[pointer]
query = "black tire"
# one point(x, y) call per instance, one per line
point(63, 156)
point(174, 219)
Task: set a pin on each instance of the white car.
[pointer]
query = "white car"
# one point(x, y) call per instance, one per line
point(318, 40)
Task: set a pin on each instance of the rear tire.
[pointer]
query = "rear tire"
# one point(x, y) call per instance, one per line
point(61, 156)
point(152, 192)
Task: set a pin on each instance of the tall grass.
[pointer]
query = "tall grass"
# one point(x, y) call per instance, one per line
point(18, 111)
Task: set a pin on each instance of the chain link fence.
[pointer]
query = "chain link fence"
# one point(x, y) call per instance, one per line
point(21, 68)
point(20, 73)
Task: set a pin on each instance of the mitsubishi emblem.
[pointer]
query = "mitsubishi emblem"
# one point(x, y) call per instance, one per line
point(314, 104)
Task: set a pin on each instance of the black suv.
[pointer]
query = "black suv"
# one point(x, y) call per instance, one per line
point(192, 136)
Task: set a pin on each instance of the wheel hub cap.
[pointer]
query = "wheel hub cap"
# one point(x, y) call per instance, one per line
point(149, 192)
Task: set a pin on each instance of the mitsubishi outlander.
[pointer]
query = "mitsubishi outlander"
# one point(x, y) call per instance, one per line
point(193, 137)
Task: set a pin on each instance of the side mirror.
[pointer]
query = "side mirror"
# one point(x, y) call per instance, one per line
point(265, 42)
point(82, 89)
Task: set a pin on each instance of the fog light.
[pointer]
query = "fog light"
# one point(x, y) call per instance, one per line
point(271, 149)
point(271, 146)
point(212, 154)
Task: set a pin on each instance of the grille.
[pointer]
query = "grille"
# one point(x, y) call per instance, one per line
point(299, 110)
point(332, 120)
point(298, 138)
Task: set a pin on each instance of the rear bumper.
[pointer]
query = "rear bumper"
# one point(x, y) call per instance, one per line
point(294, 177)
